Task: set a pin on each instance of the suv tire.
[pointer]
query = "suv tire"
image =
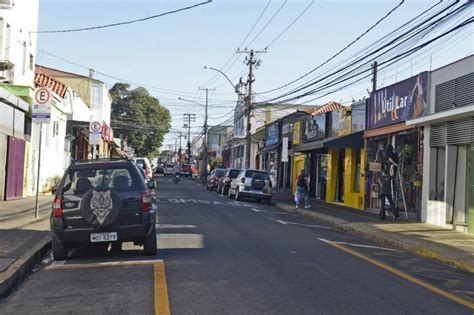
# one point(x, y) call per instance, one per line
point(229, 194)
point(149, 243)
point(60, 249)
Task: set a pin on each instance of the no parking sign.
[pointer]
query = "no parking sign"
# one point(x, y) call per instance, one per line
point(41, 112)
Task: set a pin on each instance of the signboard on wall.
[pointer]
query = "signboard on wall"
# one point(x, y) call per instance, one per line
point(399, 102)
point(315, 127)
point(286, 128)
point(345, 121)
point(272, 134)
point(297, 132)
point(284, 149)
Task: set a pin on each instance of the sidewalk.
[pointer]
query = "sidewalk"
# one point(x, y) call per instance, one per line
point(445, 245)
point(23, 239)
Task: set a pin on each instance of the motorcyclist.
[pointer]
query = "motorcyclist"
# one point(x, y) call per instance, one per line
point(177, 170)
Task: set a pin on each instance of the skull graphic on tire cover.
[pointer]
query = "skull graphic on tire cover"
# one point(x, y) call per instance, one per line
point(101, 204)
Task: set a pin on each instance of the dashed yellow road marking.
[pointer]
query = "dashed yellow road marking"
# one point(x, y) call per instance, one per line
point(405, 275)
point(162, 305)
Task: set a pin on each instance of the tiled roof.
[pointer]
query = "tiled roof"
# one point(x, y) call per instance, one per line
point(46, 81)
point(328, 107)
point(57, 73)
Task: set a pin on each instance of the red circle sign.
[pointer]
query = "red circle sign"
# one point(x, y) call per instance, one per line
point(95, 126)
point(42, 96)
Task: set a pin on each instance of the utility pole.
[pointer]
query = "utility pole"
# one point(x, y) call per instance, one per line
point(251, 62)
point(374, 76)
point(189, 118)
point(205, 158)
point(180, 154)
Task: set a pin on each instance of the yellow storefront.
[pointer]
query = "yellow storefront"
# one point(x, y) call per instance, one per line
point(298, 158)
point(345, 163)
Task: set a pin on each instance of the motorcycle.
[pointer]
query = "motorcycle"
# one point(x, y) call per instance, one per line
point(176, 178)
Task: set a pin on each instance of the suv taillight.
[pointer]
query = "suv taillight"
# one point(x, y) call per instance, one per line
point(57, 209)
point(146, 201)
point(242, 180)
point(147, 171)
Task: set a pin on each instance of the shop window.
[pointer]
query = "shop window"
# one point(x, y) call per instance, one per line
point(356, 185)
point(437, 189)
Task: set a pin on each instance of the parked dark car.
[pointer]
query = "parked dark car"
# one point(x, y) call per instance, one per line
point(213, 178)
point(224, 182)
point(102, 201)
point(159, 169)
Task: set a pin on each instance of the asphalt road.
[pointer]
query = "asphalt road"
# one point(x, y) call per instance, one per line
point(218, 256)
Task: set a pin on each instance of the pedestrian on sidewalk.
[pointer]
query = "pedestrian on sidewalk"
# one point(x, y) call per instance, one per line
point(302, 190)
point(386, 193)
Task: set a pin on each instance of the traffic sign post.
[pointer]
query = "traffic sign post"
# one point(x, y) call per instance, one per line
point(41, 114)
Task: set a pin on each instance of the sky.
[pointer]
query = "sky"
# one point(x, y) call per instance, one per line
point(167, 55)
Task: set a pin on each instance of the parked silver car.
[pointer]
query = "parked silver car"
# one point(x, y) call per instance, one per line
point(252, 183)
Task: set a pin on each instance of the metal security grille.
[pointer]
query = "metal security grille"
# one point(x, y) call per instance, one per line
point(438, 135)
point(452, 133)
point(455, 93)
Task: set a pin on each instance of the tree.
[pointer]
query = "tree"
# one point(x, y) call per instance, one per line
point(139, 118)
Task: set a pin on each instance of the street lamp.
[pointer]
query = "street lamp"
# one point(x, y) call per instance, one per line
point(248, 101)
point(235, 86)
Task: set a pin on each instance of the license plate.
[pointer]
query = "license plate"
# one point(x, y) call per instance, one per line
point(103, 237)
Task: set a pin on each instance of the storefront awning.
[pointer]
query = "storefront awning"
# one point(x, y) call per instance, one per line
point(309, 146)
point(387, 130)
point(271, 147)
point(23, 92)
point(354, 141)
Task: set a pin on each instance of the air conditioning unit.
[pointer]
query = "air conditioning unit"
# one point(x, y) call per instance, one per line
point(6, 76)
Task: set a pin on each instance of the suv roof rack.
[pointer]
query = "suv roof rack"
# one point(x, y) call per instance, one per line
point(114, 159)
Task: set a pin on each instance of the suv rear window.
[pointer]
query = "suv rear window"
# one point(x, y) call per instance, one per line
point(140, 162)
point(219, 172)
point(257, 175)
point(170, 166)
point(120, 178)
point(234, 173)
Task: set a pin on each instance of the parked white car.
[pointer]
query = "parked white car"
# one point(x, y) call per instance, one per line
point(252, 183)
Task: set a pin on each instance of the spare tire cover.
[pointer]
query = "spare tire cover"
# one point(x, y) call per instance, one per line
point(101, 207)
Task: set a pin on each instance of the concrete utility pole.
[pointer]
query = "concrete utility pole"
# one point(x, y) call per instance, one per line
point(251, 62)
point(374, 76)
point(205, 158)
point(180, 151)
point(189, 118)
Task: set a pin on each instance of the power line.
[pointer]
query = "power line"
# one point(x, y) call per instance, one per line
point(366, 55)
point(340, 51)
point(268, 23)
point(123, 23)
point(290, 25)
point(217, 77)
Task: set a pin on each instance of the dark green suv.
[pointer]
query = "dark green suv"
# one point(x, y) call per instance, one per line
point(102, 201)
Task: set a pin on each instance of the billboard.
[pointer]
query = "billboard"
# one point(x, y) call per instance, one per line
point(399, 102)
point(315, 127)
point(272, 133)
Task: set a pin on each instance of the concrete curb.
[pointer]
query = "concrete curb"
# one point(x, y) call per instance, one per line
point(18, 269)
point(354, 229)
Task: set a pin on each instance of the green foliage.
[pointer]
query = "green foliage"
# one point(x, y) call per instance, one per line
point(139, 118)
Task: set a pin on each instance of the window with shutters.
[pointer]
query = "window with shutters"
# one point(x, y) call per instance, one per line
point(455, 93)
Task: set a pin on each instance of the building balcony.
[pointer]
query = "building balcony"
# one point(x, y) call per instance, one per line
point(6, 4)
point(7, 71)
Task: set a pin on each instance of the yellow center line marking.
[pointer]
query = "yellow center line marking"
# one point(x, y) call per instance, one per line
point(162, 305)
point(405, 275)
